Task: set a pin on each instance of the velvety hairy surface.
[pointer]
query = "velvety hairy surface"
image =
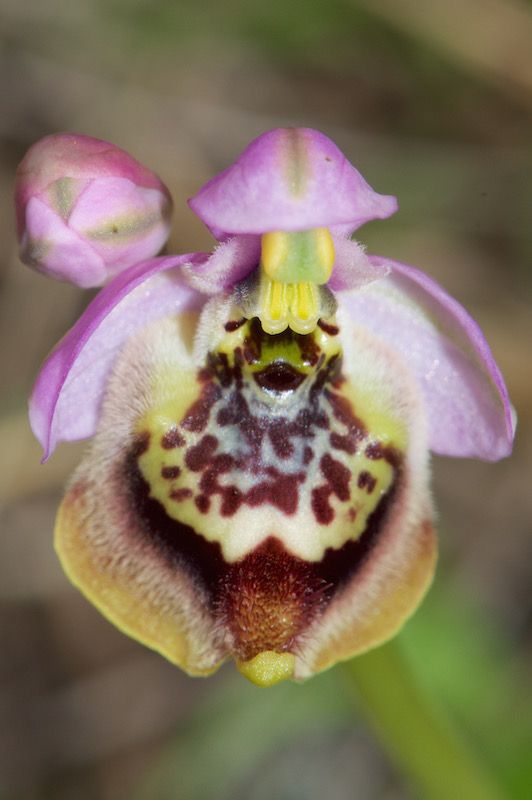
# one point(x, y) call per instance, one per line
point(135, 532)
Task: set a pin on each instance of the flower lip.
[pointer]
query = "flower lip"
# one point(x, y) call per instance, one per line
point(289, 179)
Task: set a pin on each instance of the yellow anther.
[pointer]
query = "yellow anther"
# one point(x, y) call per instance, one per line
point(283, 305)
point(268, 668)
point(304, 302)
point(273, 305)
point(304, 307)
point(299, 256)
point(278, 301)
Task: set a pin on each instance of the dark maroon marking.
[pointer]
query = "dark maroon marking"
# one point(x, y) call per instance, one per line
point(320, 505)
point(279, 377)
point(347, 443)
point(253, 342)
point(332, 330)
point(197, 416)
point(310, 350)
point(391, 454)
point(343, 412)
point(281, 492)
point(221, 369)
point(279, 432)
point(171, 439)
point(366, 481)
point(181, 494)
point(337, 475)
point(141, 444)
point(277, 488)
point(231, 501)
point(234, 324)
point(308, 455)
point(198, 456)
point(352, 514)
point(202, 503)
point(170, 472)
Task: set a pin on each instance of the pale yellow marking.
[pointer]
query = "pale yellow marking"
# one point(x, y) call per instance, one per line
point(268, 668)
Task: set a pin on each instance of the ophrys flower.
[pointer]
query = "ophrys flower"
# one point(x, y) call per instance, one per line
point(258, 483)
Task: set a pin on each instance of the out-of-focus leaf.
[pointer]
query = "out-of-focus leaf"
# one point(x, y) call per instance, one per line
point(460, 656)
point(236, 729)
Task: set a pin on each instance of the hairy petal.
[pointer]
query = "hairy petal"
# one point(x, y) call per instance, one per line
point(352, 267)
point(66, 398)
point(289, 179)
point(231, 261)
point(467, 402)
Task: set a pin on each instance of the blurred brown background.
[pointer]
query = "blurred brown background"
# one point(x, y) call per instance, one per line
point(432, 102)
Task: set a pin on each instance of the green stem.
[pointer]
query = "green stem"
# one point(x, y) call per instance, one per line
point(418, 737)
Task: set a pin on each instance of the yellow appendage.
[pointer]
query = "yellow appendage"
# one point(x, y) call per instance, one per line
point(268, 668)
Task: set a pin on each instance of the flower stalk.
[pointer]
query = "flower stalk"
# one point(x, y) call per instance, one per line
point(416, 733)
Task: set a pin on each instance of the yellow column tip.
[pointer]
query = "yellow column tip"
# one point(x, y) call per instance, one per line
point(268, 668)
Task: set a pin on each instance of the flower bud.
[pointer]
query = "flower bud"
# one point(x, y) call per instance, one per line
point(87, 210)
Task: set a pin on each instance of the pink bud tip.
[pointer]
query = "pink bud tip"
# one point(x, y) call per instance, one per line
point(87, 210)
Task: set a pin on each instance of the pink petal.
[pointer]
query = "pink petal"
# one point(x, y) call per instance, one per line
point(66, 398)
point(230, 263)
point(352, 267)
point(468, 407)
point(289, 179)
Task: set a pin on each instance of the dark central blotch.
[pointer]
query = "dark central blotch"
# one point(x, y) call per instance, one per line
point(279, 377)
point(268, 598)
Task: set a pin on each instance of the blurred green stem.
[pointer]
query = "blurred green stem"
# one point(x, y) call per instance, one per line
point(418, 737)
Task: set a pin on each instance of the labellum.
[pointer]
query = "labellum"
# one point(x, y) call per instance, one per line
point(270, 504)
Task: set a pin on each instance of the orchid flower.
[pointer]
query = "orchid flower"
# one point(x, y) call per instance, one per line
point(258, 484)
